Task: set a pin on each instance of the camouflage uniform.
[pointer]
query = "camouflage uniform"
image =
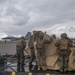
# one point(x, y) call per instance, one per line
point(31, 46)
point(20, 46)
point(67, 38)
point(41, 51)
point(64, 50)
point(54, 36)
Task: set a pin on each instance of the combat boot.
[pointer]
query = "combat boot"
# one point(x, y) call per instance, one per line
point(61, 70)
point(65, 69)
point(38, 68)
point(44, 68)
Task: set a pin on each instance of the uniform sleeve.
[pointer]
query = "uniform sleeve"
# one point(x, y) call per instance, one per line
point(47, 41)
point(70, 44)
point(69, 39)
point(24, 44)
point(57, 43)
point(29, 43)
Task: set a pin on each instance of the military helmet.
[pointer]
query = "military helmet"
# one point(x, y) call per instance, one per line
point(64, 35)
point(53, 35)
point(41, 34)
point(22, 37)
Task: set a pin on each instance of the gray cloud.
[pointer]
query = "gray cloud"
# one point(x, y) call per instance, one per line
point(2, 1)
point(21, 16)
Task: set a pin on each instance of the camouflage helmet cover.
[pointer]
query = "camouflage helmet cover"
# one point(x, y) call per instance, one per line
point(53, 35)
point(22, 37)
point(63, 35)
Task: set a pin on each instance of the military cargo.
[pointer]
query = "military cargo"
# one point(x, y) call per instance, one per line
point(52, 61)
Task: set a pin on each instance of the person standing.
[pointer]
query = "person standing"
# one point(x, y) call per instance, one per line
point(64, 50)
point(53, 36)
point(40, 46)
point(31, 46)
point(20, 46)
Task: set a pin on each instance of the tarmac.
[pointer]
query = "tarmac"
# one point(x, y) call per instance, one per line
point(32, 73)
point(10, 48)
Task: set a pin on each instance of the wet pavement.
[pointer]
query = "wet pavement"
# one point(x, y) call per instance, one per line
point(11, 66)
point(27, 73)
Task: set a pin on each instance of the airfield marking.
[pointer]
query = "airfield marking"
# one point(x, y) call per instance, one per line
point(47, 74)
point(13, 73)
point(30, 73)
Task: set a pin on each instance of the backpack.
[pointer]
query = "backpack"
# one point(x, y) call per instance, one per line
point(63, 44)
point(40, 44)
point(19, 43)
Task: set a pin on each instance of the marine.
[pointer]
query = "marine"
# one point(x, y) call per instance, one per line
point(53, 36)
point(20, 46)
point(31, 46)
point(41, 51)
point(63, 45)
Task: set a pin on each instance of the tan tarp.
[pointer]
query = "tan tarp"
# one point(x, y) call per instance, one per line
point(52, 55)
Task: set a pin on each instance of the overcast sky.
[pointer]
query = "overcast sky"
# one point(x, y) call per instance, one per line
point(17, 17)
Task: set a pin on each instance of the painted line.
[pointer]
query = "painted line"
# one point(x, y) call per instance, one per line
point(47, 74)
point(30, 73)
point(13, 73)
